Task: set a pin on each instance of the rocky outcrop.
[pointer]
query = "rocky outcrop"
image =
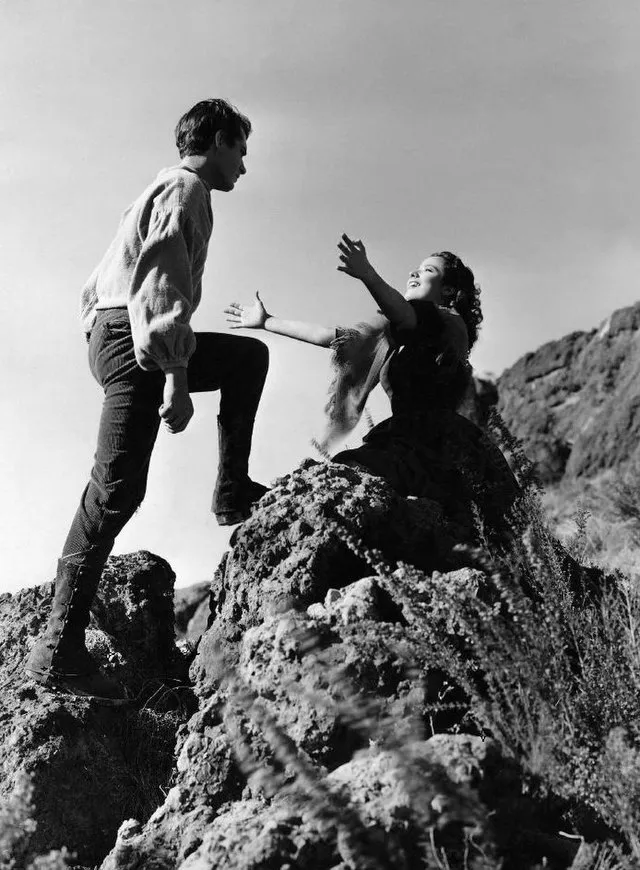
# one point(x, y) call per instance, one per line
point(320, 684)
point(323, 727)
point(191, 605)
point(89, 767)
point(328, 723)
point(575, 402)
point(480, 398)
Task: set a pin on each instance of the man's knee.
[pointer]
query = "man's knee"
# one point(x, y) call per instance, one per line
point(256, 354)
point(117, 502)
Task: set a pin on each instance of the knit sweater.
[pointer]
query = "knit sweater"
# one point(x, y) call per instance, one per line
point(154, 268)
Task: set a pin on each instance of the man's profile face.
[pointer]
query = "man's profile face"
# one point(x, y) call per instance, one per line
point(225, 161)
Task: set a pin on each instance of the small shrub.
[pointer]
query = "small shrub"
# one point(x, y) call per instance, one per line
point(552, 668)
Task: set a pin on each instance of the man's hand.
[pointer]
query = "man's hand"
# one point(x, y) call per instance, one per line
point(353, 256)
point(247, 317)
point(177, 408)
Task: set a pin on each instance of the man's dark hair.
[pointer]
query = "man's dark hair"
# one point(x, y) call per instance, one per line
point(197, 128)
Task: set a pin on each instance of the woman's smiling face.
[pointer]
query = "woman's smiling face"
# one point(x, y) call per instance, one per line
point(427, 282)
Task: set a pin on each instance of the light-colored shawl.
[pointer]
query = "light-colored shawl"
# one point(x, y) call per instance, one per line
point(358, 356)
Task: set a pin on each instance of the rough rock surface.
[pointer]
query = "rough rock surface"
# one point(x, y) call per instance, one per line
point(92, 766)
point(312, 746)
point(480, 398)
point(191, 605)
point(575, 402)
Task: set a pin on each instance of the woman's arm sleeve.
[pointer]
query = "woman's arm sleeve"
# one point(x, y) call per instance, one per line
point(429, 324)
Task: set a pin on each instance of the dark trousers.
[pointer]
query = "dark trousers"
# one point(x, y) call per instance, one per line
point(129, 425)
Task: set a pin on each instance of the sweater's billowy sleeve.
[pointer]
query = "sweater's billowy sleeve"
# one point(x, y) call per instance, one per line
point(161, 294)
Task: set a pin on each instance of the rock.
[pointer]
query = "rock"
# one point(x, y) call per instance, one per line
point(321, 737)
point(480, 398)
point(299, 545)
point(191, 605)
point(90, 767)
point(318, 683)
point(318, 831)
point(198, 622)
point(575, 402)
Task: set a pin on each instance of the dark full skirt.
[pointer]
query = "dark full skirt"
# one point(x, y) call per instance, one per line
point(442, 456)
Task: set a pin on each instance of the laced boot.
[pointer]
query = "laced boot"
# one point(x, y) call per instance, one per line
point(235, 493)
point(60, 660)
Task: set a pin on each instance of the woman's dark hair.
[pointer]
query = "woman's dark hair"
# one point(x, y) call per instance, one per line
point(463, 292)
point(196, 129)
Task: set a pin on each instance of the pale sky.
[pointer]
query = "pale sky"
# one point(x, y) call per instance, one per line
point(504, 130)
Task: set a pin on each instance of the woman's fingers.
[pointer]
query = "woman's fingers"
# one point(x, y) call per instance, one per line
point(234, 315)
point(350, 246)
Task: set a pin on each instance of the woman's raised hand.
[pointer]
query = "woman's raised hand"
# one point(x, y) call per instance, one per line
point(247, 316)
point(353, 257)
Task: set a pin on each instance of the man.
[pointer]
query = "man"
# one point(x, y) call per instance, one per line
point(136, 310)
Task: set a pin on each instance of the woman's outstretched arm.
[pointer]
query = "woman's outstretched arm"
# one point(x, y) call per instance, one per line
point(392, 303)
point(255, 316)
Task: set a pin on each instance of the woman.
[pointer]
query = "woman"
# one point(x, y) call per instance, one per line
point(417, 347)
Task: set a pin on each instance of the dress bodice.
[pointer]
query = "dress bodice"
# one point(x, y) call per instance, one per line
point(428, 367)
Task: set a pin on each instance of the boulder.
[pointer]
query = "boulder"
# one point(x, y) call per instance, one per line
point(89, 767)
point(191, 605)
point(320, 686)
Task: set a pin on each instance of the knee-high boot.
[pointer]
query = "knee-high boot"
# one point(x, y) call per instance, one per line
point(60, 658)
point(235, 492)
